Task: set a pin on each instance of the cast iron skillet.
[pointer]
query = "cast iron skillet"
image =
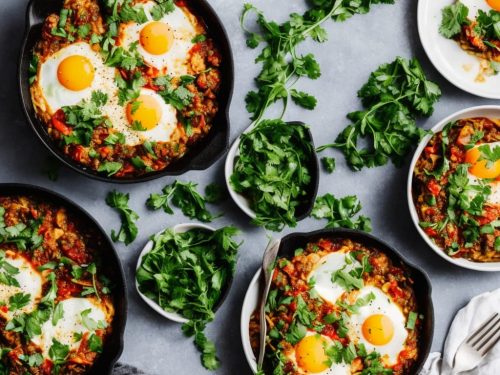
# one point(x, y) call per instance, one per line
point(113, 346)
point(421, 286)
point(200, 156)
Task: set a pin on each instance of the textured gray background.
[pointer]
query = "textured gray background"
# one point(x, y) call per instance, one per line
point(354, 49)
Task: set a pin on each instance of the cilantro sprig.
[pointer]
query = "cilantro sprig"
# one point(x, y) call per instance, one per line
point(394, 96)
point(272, 171)
point(187, 273)
point(185, 196)
point(282, 65)
point(128, 230)
point(340, 212)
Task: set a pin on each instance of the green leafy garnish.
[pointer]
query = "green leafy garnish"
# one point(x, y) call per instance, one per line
point(24, 236)
point(110, 167)
point(187, 273)
point(180, 97)
point(394, 96)
point(161, 8)
point(7, 272)
point(19, 300)
point(454, 17)
point(183, 195)
point(129, 89)
point(33, 69)
point(128, 230)
point(272, 171)
point(340, 212)
point(412, 320)
point(328, 164)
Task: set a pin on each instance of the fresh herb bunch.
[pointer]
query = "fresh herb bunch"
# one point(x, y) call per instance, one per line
point(282, 65)
point(185, 196)
point(128, 229)
point(187, 273)
point(340, 212)
point(272, 171)
point(394, 96)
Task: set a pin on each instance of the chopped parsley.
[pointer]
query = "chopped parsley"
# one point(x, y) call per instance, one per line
point(454, 16)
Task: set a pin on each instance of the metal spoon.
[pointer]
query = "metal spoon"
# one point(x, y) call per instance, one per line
point(267, 268)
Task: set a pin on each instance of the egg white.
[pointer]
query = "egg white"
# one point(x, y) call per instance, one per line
point(335, 368)
point(322, 275)
point(71, 323)
point(117, 114)
point(381, 304)
point(56, 95)
point(30, 282)
point(174, 61)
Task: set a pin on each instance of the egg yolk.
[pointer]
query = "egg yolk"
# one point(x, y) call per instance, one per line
point(146, 110)
point(310, 354)
point(481, 168)
point(378, 329)
point(75, 73)
point(156, 38)
point(495, 4)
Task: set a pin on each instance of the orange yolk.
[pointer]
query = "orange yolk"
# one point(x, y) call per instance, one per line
point(156, 38)
point(146, 110)
point(310, 354)
point(75, 73)
point(495, 4)
point(481, 168)
point(378, 329)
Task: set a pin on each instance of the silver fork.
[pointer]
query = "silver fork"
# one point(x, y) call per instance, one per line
point(475, 346)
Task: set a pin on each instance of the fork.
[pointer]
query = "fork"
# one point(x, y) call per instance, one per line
point(475, 346)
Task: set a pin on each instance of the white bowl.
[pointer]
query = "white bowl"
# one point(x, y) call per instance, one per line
point(242, 202)
point(455, 64)
point(250, 304)
point(179, 228)
point(482, 111)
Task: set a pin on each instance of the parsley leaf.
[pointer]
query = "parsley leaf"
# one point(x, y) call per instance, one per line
point(340, 212)
point(454, 17)
point(328, 163)
point(303, 99)
point(394, 96)
point(110, 167)
point(128, 230)
point(18, 301)
point(161, 8)
point(183, 195)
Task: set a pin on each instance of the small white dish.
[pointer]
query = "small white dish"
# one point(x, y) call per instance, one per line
point(242, 202)
point(481, 111)
point(179, 228)
point(455, 64)
point(250, 304)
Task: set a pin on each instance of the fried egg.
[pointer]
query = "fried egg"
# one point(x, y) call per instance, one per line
point(74, 323)
point(380, 325)
point(481, 170)
point(164, 43)
point(322, 275)
point(309, 356)
point(27, 281)
point(147, 118)
point(476, 5)
point(71, 74)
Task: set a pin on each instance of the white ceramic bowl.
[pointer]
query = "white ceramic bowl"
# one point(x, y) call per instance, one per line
point(250, 303)
point(482, 111)
point(179, 228)
point(242, 202)
point(456, 65)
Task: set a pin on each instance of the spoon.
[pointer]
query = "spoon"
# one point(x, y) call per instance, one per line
point(267, 268)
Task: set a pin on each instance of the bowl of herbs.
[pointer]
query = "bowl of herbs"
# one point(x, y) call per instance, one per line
point(272, 173)
point(185, 273)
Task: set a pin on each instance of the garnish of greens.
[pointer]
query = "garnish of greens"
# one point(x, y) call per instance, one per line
point(394, 96)
point(185, 196)
point(187, 273)
point(282, 65)
point(340, 212)
point(272, 171)
point(128, 229)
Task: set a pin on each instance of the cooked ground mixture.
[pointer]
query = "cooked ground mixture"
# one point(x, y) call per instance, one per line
point(340, 304)
point(55, 306)
point(126, 88)
point(456, 189)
